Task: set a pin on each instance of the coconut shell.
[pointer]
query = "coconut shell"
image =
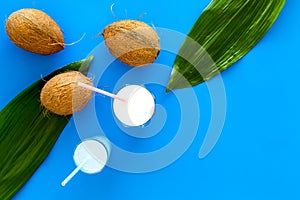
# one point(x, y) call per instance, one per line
point(132, 42)
point(34, 31)
point(61, 94)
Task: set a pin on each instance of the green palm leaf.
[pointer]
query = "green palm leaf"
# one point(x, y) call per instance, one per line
point(28, 133)
point(227, 30)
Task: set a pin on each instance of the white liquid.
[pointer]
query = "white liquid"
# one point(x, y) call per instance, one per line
point(94, 152)
point(138, 107)
point(90, 156)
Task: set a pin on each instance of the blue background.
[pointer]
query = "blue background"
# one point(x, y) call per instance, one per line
point(258, 154)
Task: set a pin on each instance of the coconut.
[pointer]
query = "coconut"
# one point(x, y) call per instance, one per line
point(34, 31)
point(62, 95)
point(132, 42)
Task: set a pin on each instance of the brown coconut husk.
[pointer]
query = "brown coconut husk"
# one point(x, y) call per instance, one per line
point(61, 94)
point(133, 42)
point(34, 31)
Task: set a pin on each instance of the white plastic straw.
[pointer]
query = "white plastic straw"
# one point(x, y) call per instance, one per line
point(73, 173)
point(86, 86)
